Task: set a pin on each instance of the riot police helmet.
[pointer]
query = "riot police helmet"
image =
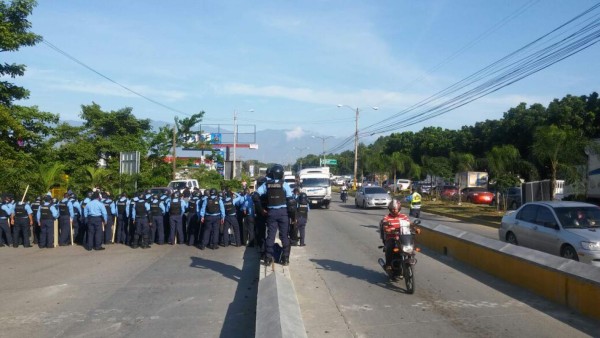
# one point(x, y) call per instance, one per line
point(213, 192)
point(303, 198)
point(277, 171)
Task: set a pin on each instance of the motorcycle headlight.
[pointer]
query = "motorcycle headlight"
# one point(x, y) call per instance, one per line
point(592, 246)
point(407, 248)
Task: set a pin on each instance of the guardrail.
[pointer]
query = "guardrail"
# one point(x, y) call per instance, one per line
point(567, 282)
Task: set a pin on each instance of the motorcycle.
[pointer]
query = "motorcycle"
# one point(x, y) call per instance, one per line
point(403, 258)
point(344, 196)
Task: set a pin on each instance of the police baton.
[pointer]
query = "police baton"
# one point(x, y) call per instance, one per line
point(26, 189)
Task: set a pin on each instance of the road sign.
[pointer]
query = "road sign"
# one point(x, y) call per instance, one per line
point(328, 161)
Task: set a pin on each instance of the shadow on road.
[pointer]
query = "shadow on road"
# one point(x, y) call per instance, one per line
point(580, 322)
point(240, 320)
point(378, 278)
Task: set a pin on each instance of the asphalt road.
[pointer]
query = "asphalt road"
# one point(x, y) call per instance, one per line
point(343, 292)
point(164, 291)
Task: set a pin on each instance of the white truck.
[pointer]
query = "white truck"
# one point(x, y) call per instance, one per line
point(181, 185)
point(316, 183)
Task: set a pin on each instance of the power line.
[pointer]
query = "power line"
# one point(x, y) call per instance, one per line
point(505, 70)
point(72, 58)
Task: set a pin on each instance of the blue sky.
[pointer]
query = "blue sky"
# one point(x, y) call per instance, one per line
point(292, 62)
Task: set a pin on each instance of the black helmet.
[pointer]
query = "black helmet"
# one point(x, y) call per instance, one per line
point(303, 198)
point(141, 194)
point(213, 192)
point(175, 194)
point(394, 204)
point(277, 171)
point(47, 198)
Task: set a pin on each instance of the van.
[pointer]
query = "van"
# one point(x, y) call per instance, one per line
point(401, 184)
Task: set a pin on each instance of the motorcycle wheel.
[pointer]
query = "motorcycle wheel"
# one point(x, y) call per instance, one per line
point(409, 279)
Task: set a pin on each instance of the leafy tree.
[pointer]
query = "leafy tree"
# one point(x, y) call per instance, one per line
point(557, 147)
point(49, 175)
point(15, 32)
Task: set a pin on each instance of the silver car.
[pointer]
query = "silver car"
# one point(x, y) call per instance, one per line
point(568, 229)
point(372, 196)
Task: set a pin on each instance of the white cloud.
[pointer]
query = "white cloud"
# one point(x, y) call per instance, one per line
point(294, 133)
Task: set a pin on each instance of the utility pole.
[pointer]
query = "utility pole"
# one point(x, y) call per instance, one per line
point(234, 141)
point(175, 150)
point(355, 150)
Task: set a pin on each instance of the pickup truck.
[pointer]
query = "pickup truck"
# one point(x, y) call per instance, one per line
point(181, 185)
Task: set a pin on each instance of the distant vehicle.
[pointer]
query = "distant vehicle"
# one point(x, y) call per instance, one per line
point(181, 185)
point(316, 183)
point(513, 198)
point(372, 196)
point(471, 179)
point(423, 188)
point(447, 191)
point(401, 184)
point(477, 195)
point(339, 180)
point(567, 229)
point(161, 191)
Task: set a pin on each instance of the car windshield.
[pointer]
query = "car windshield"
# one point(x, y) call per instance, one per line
point(315, 182)
point(375, 190)
point(177, 185)
point(578, 217)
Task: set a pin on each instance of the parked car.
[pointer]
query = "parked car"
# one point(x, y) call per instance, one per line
point(563, 228)
point(372, 196)
point(477, 195)
point(401, 184)
point(423, 188)
point(513, 198)
point(447, 191)
point(161, 190)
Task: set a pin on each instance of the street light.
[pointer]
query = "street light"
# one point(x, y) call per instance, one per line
point(301, 149)
point(355, 141)
point(235, 139)
point(323, 138)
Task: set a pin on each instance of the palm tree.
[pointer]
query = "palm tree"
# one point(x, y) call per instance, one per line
point(49, 175)
point(97, 176)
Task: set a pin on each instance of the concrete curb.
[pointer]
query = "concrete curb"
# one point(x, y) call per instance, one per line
point(570, 283)
point(277, 309)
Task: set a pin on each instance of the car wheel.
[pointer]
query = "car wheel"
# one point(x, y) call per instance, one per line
point(511, 238)
point(364, 205)
point(569, 252)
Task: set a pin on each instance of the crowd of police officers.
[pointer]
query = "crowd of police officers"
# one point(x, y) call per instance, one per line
point(205, 220)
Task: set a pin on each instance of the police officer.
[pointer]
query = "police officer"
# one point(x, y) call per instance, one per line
point(212, 215)
point(260, 218)
point(22, 221)
point(248, 212)
point(122, 207)
point(231, 222)
point(77, 214)
point(176, 207)
point(96, 218)
point(415, 203)
point(82, 232)
point(66, 214)
point(35, 231)
point(46, 215)
point(192, 218)
point(139, 214)
point(131, 226)
point(6, 212)
point(302, 216)
point(279, 197)
point(157, 214)
point(111, 212)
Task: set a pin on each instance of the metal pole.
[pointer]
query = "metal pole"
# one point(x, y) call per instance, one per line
point(174, 152)
point(355, 150)
point(234, 142)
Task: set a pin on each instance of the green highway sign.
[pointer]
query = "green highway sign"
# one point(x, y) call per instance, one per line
point(328, 161)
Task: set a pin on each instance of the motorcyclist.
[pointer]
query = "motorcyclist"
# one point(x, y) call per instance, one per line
point(344, 192)
point(391, 222)
point(414, 200)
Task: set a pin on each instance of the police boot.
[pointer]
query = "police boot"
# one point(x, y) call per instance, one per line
point(285, 261)
point(136, 240)
point(145, 243)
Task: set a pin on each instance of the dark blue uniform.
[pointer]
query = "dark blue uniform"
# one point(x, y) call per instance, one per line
point(122, 207)
point(46, 215)
point(277, 192)
point(212, 215)
point(176, 208)
point(139, 214)
point(96, 216)
point(23, 220)
point(66, 214)
point(157, 228)
point(6, 211)
point(192, 220)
